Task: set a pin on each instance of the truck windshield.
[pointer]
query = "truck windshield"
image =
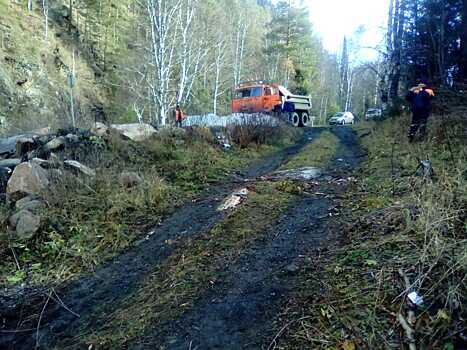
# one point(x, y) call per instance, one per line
point(251, 92)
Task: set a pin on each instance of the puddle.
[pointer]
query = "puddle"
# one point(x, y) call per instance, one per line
point(308, 173)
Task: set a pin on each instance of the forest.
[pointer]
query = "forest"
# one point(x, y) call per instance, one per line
point(149, 56)
point(129, 222)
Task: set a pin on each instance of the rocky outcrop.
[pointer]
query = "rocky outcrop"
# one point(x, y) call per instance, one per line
point(27, 178)
point(135, 132)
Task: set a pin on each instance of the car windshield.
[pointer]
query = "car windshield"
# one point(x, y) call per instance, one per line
point(338, 115)
point(251, 92)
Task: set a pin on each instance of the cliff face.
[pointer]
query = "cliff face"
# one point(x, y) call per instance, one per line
point(34, 69)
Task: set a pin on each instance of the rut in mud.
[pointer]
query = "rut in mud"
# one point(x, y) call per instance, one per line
point(237, 313)
point(102, 290)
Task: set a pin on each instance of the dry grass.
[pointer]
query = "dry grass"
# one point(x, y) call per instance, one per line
point(352, 296)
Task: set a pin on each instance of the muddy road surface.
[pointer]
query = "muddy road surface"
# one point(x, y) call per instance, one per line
point(236, 312)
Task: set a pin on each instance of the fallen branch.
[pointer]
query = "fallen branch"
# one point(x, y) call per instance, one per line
point(409, 331)
point(407, 325)
point(273, 343)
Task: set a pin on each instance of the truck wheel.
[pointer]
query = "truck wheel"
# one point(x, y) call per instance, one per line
point(295, 119)
point(304, 119)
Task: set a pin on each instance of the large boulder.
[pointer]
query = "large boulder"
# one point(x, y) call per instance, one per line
point(27, 178)
point(77, 166)
point(135, 132)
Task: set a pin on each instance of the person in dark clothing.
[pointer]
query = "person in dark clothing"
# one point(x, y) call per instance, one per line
point(420, 102)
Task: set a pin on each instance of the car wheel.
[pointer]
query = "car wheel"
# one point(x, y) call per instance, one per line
point(295, 119)
point(304, 119)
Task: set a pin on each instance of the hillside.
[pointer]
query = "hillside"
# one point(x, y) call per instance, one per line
point(34, 71)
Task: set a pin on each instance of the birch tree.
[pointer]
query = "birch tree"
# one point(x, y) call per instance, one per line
point(163, 15)
point(219, 63)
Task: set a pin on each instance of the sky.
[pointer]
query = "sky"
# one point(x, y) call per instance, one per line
point(332, 19)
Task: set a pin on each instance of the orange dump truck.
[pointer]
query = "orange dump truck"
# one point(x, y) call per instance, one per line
point(260, 97)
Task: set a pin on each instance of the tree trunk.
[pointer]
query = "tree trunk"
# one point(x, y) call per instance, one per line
point(398, 26)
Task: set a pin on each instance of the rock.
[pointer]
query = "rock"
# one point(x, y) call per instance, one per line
point(10, 163)
point(55, 144)
point(27, 178)
point(32, 206)
point(99, 129)
point(25, 145)
point(135, 132)
point(129, 179)
point(25, 223)
point(74, 165)
point(23, 201)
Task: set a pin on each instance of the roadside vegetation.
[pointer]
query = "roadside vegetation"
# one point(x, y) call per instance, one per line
point(404, 231)
point(90, 219)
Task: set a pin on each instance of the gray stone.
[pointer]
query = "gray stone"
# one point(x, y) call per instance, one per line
point(10, 163)
point(27, 178)
point(55, 144)
point(23, 201)
point(129, 179)
point(32, 206)
point(135, 132)
point(25, 223)
point(99, 129)
point(75, 165)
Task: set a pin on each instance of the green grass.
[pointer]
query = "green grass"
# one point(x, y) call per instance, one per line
point(349, 298)
point(317, 154)
point(197, 264)
point(89, 220)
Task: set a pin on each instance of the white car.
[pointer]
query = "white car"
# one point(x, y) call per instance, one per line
point(373, 113)
point(342, 118)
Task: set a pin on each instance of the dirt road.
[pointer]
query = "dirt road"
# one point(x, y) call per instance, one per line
point(236, 313)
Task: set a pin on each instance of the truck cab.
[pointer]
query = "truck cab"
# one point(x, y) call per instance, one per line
point(255, 98)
